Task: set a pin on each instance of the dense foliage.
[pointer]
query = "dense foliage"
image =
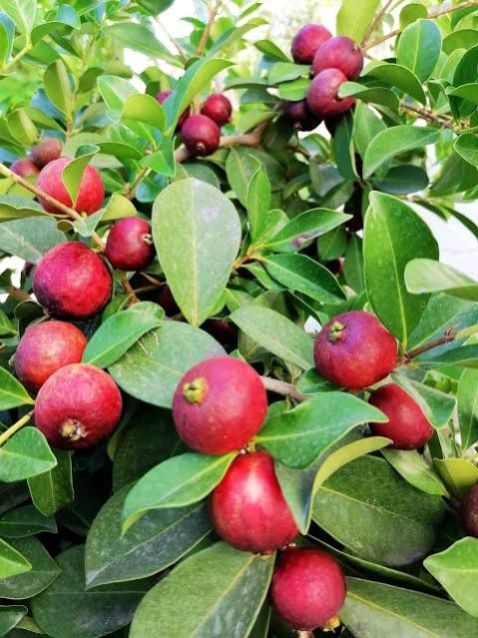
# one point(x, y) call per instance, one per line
point(146, 478)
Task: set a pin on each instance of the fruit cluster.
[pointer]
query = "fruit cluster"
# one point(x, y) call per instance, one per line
point(334, 61)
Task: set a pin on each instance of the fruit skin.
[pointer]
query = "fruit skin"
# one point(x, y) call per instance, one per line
point(407, 426)
point(44, 349)
point(248, 509)
point(339, 53)
point(218, 108)
point(46, 152)
point(78, 407)
point(200, 135)
point(24, 168)
point(300, 115)
point(90, 197)
point(469, 511)
point(129, 245)
point(72, 282)
point(322, 97)
point(162, 96)
point(354, 350)
point(308, 588)
point(219, 405)
point(307, 41)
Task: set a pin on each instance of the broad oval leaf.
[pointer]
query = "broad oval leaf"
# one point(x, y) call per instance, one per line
point(306, 227)
point(25, 521)
point(53, 490)
point(415, 469)
point(25, 455)
point(12, 562)
point(30, 239)
point(424, 276)
point(419, 48)
point(12, 393)
point(397, 76)
point(354, 19)
point(10, 616)
point(457, 474)
point(197, 233)
point(22, 12)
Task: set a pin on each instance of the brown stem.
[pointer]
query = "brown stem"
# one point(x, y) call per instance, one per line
point(283, 388)
point(449, 336)
point(17, 293)
point(173, 41)
point(376, 21)
point(207, 31)
point(128, 288)
point(431, 116)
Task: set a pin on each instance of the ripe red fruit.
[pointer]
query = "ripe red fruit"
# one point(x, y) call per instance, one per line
point(78, 407)
point(354, 350)
point(322, 97)
point(46, 152)
point(44, 349)
point(200, 135)
point(300, 115)
point(71, 281)
point(469, 511)
point(339, 53)
point(91, 194)
point(248, 509)
point(162, 96)
point(307, 41)
point(218, 108)
point(219, 405)
point(24, 168)
point(407, 426)
point(130, 245)
point(308, 588)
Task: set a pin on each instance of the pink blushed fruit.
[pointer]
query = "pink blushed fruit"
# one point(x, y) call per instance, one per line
point(130, 245)
point(339, 53)
point(322, 97)
point(218, 108)
point(201, 135)
point(307, 41)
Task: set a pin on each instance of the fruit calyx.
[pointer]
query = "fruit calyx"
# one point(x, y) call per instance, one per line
point(336, 332)
point(332, 625)
point(147, 238)
point(73, 430)
point(195, 391)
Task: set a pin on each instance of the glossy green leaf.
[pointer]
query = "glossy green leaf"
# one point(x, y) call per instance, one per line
point(419, 48)
point(14, 207)
point(427, 276)
point(411, 12)
point(141, 38)
point(58, 87)
point(416, 470)
point(7, 34)
point(209, 585)
point(306, 226)
point(73, 172)
point(25, 521)
point(145, 108)
point(115, 92)
point(22, 12)
point(30, 239)
point(438, 406)
point(53, 490)
point(468, 408)
point(10, 616)
point(457, 474)
point(22, 127)
point(197, 233)
point(12, 393)
point(258, 201)
point(354, 20)
point(25, 455)
point(373, 95)
point(43, 572)
point(12, 562)
point(286, 71)
point(397, 76)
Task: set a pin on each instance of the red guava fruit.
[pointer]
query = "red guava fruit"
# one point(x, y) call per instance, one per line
point(129, 245)
point(46, 152)
point(307, 41)
point(201, 136)
point(218, 108)
point(339, 53)
point(322, 97)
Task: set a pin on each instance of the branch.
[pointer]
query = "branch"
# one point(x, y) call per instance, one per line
point(449, 336)
point(376, 21)
point(173, 41)
point(17, 293)
point(283, 388)
point(207, 31)
point(15, 427)
point(431, 116)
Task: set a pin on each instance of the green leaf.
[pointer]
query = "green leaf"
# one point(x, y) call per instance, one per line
point(58, 87)
point(153, 367)
point(376, 610)
point(466, 145)
point(353, 19)
point(419, 48)
point(15, 207)
point(146, 109)
point(297, 437)
point(67, 610)
point(12, 563)
point(158, 540)
point(397, 76)
point(22, 128)
point(415, 469)
point(177, 482)
point(258, 201)
point(209, 585)
point(12, 393)
point(53, 490)
point(437, 406)
point(118, 333)
point(411, 12)
point(139, 37)
point(73, 172)
point(468, 408)
point(22, 12)
point(25, 521)
point(10, 616)
point(286, 71)
point(456, 569)
point(43, 571)
point(457, 474)
point(30, 239)
point(276, 333)
point(428, 276)
point(373, 95)
point(115, 92)
point(7, 34)
point(25, 455)
point(394, 141)
point(154, 7)
point(370, 509)
point(197, 233)
point(394, 235)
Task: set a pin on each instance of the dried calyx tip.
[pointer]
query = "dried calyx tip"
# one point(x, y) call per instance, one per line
point(195, 391)
point(73, 430)
point(336, 331)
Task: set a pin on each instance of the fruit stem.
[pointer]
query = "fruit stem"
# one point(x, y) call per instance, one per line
point(13, 429)
point(449, 336)
point(283, 388)
point(133, 299)
point(305, 634)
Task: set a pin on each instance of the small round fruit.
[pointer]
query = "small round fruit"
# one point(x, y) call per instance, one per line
point(44, 349)
point(300, 115)
point(339, 53)
point(72, 282)
point(307, 41)
point(90, 196)
point(308, 588)
point(162, 96)
point(322, 97)
point(130, 245)
point(219, 405)
point(469, 511)
point(407, 427)
point(46, 152)
point(218, 108)
point(24, 168)
point(248, 509)
point(200, 135)
point(78, 407)
point(354, 350)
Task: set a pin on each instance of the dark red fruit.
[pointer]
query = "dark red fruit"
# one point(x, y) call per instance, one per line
point(354, 350)
point(219, 405)
point(469, 511)
point(162, 96)
point(307, 41)
point(200, 135)
point(300, 115)
point(218, 108)
point(167, 302)
point(91, 194)
point(130, 245)
point(24, 168)
point(407, 426)
point(308, 588)
point(322, 97)
point(46, 152)
point(248, 508)
point(71, 281)
point(44, 349)
point(78, 407)
point(339, 53)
